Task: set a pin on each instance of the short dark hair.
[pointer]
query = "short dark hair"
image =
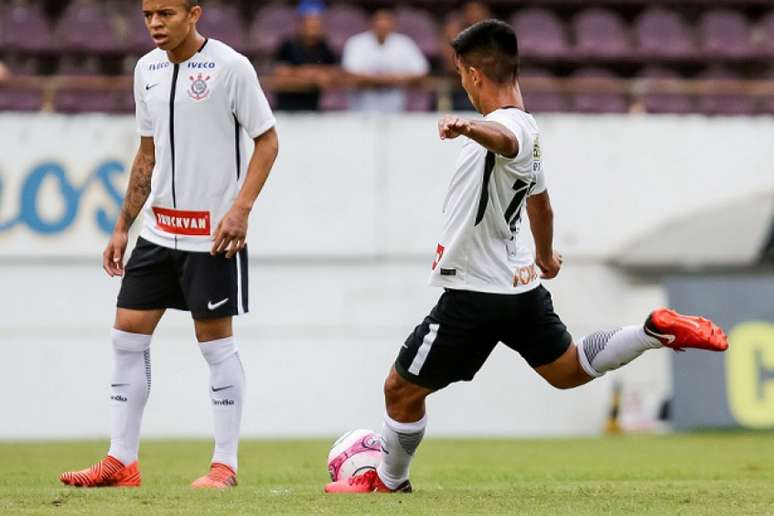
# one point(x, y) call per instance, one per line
point(490, 45)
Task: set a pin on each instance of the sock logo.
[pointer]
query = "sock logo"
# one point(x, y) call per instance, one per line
point(218, 389)
point(118, 397)
point(223, 403)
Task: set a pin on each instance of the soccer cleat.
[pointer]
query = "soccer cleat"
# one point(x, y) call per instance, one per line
point(109, 472)
point(679, 331)
point(219, 477)
point(368, 482)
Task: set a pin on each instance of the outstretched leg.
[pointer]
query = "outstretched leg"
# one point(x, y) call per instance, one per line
point(606, 350)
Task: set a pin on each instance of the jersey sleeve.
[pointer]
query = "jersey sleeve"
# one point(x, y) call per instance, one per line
point(142, 114)
point(248, 102)
point(415, 63)
point(513, 126)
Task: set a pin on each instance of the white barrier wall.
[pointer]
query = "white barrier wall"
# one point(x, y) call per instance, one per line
point(341, 243)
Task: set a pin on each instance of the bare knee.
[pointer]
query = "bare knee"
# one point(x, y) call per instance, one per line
point(404, 400)
point(566, 371)
point(213, 329)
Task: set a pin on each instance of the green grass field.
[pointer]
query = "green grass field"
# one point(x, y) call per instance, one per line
point(728, 473)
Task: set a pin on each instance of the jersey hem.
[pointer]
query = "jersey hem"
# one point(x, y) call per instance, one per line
point(181, 243)
point(485, 289)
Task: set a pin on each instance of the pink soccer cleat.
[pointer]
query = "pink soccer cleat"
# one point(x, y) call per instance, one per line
point(368, 482)
point(220, 476)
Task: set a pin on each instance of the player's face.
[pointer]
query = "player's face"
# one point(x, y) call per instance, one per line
point(169, 22)
point(470, 79)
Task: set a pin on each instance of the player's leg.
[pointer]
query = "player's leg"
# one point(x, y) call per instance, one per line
point(450, 345)
point(216, 290)
point(148, 287)
point(552, 354)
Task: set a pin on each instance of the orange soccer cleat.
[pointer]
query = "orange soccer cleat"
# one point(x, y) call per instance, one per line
point(368, 482)
point(679, 331)
point(109, 472)
point(219, 477)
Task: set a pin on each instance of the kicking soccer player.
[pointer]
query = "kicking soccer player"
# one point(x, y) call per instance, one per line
point(207, 145)
point(492, 286)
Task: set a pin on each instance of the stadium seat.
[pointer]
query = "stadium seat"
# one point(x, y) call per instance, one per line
point(71, 65)
point(81, 101)
point(420, 26)
point(725, 33)
point(598, 102)
point(334, 100)
point(665, 102)
point(136, 39)
point(540, 33)
point(24, 28)
point(87, 28)
point(663, 34)
point(601, 33)
point(342, 22)
point(271, 25)
point(12, 99)
point(539, 101)
point(418, 100)
point(719, 104)
point(766, 104)
point(224, 23)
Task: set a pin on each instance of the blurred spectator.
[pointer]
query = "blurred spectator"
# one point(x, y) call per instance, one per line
point(382, 63)
point(305, 62)
point(5, 73)
point(469, 14)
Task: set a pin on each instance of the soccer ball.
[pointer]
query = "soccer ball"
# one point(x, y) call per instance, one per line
point(354, 453)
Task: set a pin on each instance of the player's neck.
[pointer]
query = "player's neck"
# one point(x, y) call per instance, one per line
point(509, 96)
point(186, 50)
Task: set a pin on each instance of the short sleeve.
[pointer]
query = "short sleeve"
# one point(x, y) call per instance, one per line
point(502, 117)
point(415, 61)
point(248, 103)
point(142, 115)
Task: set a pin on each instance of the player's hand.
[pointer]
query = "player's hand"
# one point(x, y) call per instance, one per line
point(231, 232)
point(113, 257)
point(449, 127)
point(550, 266)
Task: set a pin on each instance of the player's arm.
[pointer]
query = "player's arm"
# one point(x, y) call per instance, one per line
point(541, 222)
point(232, 230)
point(136, 194)
point(492, 136)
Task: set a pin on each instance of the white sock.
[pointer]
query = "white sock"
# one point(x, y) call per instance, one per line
point(399, 442)
point(606, 350)
point(227, 379)
point(130, 388)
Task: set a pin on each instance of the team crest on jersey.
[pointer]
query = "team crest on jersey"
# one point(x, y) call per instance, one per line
point(199, 88)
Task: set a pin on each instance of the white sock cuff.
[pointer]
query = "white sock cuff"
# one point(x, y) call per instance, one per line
point(125, 341)
point(216, 351)
point(406, 428)
point(584, 362)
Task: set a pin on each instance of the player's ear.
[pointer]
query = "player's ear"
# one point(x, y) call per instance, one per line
point(195, 13)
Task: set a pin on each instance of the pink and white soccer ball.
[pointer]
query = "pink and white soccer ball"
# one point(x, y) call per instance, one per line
point(354, 453)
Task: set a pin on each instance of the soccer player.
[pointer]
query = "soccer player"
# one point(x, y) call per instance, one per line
point(492, 283)
point(207, 145)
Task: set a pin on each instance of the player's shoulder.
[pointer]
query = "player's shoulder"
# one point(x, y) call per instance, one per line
point(227, 56)
point(154, 58)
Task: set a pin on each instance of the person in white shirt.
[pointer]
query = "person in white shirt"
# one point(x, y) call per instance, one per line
point(382, 64)
point(207, 145)
point(491, 271)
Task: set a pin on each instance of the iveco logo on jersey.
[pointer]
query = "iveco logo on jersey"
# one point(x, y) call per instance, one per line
point(201, 66)
point(158, 66)
point(180, 222)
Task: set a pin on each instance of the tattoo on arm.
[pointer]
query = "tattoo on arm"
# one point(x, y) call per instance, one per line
point(139, 187)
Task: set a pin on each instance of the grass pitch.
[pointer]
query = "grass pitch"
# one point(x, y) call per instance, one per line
point(730, 473)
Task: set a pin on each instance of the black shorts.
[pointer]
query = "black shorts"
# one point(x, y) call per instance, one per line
point(207, 286)
point(454, 341)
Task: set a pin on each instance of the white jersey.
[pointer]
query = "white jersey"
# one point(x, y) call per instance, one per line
point(481, 248)
point(203, 115)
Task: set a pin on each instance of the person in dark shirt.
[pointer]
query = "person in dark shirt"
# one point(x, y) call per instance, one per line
point(305, 62)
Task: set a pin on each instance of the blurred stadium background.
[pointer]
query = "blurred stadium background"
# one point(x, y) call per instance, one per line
point(660, 157)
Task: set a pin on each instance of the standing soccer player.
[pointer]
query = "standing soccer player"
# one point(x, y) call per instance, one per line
point(207, 145)
point(492, 284)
